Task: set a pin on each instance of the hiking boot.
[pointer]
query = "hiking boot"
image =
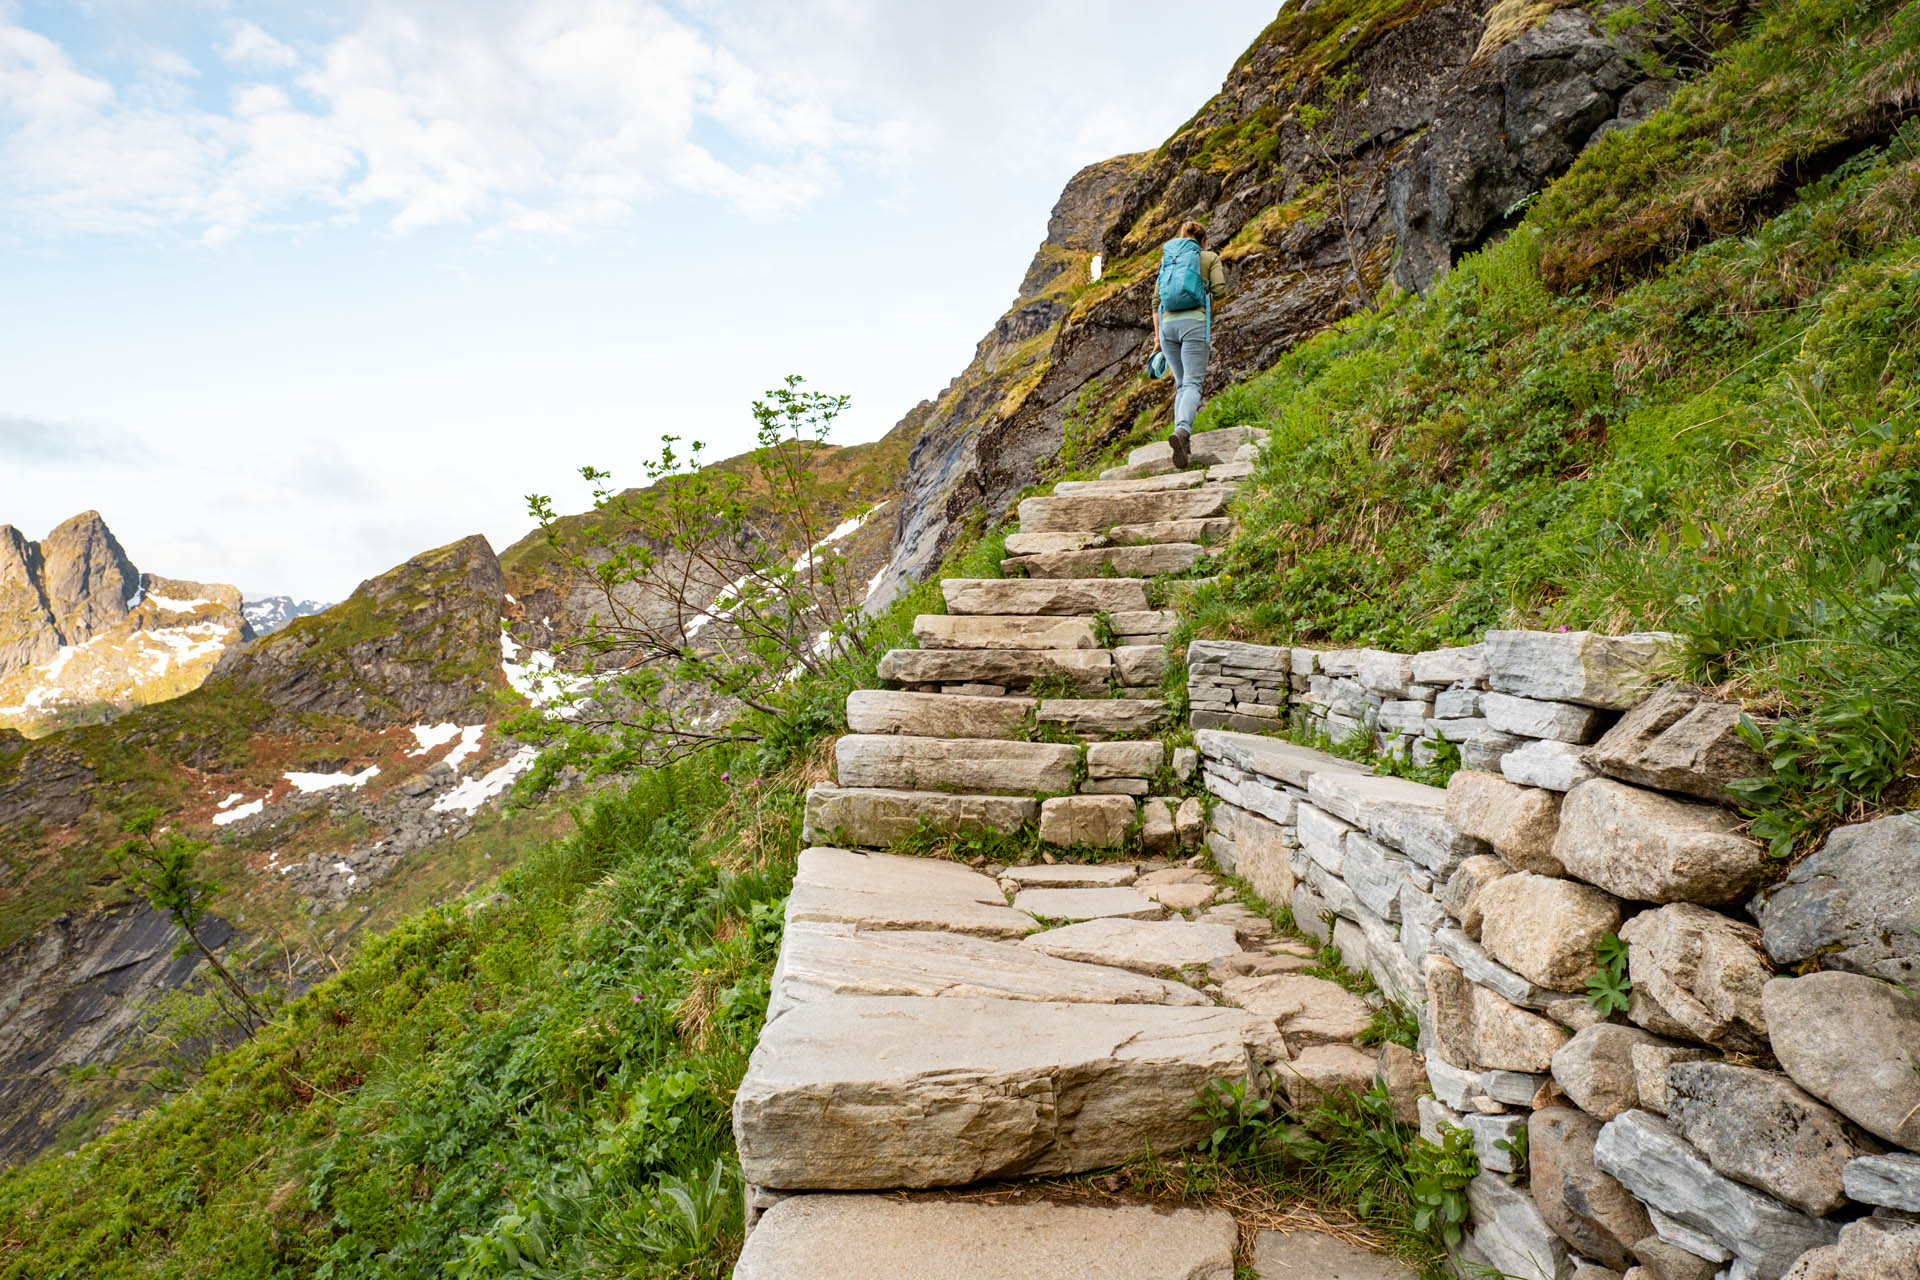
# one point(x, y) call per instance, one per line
point(1182, 449)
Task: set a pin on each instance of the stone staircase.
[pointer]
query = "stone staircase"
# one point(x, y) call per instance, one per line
point(934, 1025)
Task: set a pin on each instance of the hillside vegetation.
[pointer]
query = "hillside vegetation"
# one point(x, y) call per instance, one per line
point(1680, 394)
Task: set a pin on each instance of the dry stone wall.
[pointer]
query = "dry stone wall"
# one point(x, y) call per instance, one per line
point(1754, 1112)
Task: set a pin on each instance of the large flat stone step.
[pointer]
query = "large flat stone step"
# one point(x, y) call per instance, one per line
point(857, 1237)
point(989, 765)
point(1142, 484)
point(1208, 448)
point(1004, 631)
point(823, 961)
point(881, 891)
point(1102, 511)
point(936, 715)
point(858, 1093)
point(1088, 669)
point(1208, 532)
point(874, 818)
point(1023, 596)
point(1148, 560)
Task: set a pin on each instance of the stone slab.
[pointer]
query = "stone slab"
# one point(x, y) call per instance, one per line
point(818, 961)
point(1205, 532)
point(965, 764)
point(1138, 484)
point(857, 1237)
point(1088, 669)
point(1099, 718)
point(935, 715)
point(1272, 757)
point(1026, 596)
point(1071, 875)
point(1139, 560)
point(1144, 946)
point(877, 817)
point(1088, 904)
point(1003, 631)
point(890, 1091)
point(882, 891)
point(1102, 511)
point(1610, 672)
point(1310, 1255)
point(1645, 1154)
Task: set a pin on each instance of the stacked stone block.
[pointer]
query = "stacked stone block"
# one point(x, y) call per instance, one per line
point(1237, 686)
point(1755, 1111)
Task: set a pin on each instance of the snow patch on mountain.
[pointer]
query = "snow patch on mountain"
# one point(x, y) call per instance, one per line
point(270, 613)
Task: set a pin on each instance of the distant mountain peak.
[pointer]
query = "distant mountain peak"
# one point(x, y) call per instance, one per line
point(268, 614)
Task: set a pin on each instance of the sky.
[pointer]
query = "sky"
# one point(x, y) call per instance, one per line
point(292, 291)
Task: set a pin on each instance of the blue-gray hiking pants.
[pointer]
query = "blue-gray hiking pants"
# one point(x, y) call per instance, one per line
point(1187, 347)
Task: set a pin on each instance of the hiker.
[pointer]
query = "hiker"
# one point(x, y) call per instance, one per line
point(1190, 279)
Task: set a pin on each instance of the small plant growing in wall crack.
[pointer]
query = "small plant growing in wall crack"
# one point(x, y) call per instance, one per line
point(1440, 1174)
point(1608, 989)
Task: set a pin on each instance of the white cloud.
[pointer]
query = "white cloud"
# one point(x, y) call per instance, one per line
point(251, 49)
point(549, 117)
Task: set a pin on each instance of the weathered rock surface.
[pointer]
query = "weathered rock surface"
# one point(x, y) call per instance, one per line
point(1308, 1011)
point(1088, 669)
point(1270, 757)
point(1141, 945)
point(1531, 718)
point(1098, 822)
point(62, 590)
point(935, 715)
point(1590, 1210)
point(1095, 718)
point(1678, 739)
point(1462, 894)
point(1650, 1065)
point(1133, 560)
point(1596, 670)
point(866, 1092)
point(1596, 1068)
point(1557, 766)
point(1546, 929)
point(1854, 1043)
point(969, 764)
point(881, 891)
point(1889, 1180)
point(1324, 1073)
point(862, 1237)
point(1026, 596)
point(881, 816)
point(1510, 1232)
point(1854, 903)
point(1125, 759)
point(1071, 875)
point(1002, 631)
point(1309, 1255)
point(1088, 904)
point(1099, 511)
point(822, 960)
point(1703, 973)
point(1652, 1161)
point(1519, 822)
point(1759, 1128)
point(1636, 844)
point(1473, 1026)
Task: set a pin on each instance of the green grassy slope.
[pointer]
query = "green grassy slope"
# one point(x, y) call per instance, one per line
point(1721, 440)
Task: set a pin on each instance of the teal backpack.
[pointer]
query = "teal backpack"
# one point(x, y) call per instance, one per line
point(1182, 286)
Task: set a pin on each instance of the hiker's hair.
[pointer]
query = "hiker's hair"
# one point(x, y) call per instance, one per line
point(1191, 230)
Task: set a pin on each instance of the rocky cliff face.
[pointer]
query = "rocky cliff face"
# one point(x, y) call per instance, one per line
point(71, 995)
point(63, 590)
point(420, 642)
point(84, 635)
point(1434, 120)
